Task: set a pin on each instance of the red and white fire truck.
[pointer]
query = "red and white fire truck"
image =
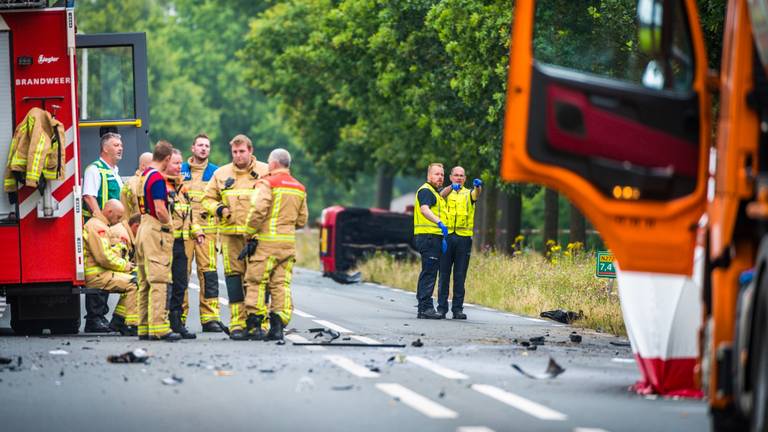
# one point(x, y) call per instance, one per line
point(92, 84)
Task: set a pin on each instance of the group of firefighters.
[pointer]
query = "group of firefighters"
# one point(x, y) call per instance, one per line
point(142, 235)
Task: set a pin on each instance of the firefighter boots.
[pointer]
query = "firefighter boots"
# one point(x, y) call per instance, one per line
point(178, 327)
point(214, 327)
point(168, 337)
point(253, 327)
point(117, 324)
point(275, 327)
point(238, 335)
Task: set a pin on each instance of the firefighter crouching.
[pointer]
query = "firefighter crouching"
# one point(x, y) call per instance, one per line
point(228, 196)
point(125, 318)
point(154, 248)
point(105, 268)
point(184, 230)
point(196, 173)
point(278, 207)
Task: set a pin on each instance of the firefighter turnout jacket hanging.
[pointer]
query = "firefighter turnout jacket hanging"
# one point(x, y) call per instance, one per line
point(36, 151)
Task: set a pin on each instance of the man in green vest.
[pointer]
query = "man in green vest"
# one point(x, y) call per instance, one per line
point(429, 234)
point(460, 206)
point(101, 183)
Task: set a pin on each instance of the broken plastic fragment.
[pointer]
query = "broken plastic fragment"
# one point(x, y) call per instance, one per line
point(553, 370)
point(172, 380)
point(136, 356)
point(560, 315)
point(417, 343)
point(58, 352)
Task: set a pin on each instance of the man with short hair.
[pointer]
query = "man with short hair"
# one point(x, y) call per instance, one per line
point(105, 268)
point(429, 236)
point(130, 190)
point(154, 248)
point(228, 196)
point(186, 231)
point(277, 208)
point(460, 208)
point(196, 173)
point(101, 183)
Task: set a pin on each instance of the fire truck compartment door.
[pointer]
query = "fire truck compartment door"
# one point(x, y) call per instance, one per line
point(113, 94)
point(608, 104)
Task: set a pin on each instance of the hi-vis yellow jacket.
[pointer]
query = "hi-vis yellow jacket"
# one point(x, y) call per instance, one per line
point(37, 150)
point(100, 254)
point(232, 187)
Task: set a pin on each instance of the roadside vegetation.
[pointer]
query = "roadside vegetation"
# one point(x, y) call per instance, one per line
point(526, 283)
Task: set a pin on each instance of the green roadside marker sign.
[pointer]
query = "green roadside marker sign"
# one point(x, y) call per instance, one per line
point(604, 267)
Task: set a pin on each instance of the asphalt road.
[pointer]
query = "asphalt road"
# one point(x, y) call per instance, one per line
point(461, 379)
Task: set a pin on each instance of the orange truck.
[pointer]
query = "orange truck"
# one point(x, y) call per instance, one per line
point(613, 104)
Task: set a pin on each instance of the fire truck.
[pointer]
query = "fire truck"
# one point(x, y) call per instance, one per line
point(613, 107)
point(92, 83)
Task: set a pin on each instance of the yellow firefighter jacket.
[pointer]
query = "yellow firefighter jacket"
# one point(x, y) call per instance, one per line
point(129, 195)
point(100, 255)
point(37, 150)
point(232, 187)
point(122, 240)
point(278, 207)
point(185, 223)
point(196, 178)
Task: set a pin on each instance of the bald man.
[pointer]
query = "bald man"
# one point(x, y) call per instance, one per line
point(105, 269)
point(129, 192)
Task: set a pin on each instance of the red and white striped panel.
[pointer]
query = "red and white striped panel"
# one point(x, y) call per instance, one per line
point(62, 189)
point(663, 313)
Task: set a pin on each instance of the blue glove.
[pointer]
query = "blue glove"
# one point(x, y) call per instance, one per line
point(445, 245)
point(455, 186)
point(477, 183)
point(444, 228)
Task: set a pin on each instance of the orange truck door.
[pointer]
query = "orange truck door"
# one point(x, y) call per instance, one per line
point(615, 115)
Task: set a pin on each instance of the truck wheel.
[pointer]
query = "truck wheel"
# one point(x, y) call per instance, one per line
point(61, 327)
point(727, 420)
point(759, 373)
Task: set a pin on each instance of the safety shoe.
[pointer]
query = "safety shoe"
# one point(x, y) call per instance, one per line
point(238, 335)
point(214, 327)
point(169, 337)
point(130, 330)
point(96, 326)
point(458, 315)
point(275, 327)
point(144, 337)
point(253, 327)
point(117, 324)
point(177, 327)
point(429, 314)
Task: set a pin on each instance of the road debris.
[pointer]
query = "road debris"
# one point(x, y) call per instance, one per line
point(267, 371)
point(330, 335)
point(562, 316)
point(537, 340)
point(553, 370)
point(417, 343)
point(5, 360)
point(172, 380)
point(343, 387)
point(58, 352)
point(399, 358)
point(138, 355)
point(223, 372)
point(575, 338)
point(620, 344)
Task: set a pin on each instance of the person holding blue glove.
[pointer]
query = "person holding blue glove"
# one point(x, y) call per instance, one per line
point(460, 217)
point(430, 236)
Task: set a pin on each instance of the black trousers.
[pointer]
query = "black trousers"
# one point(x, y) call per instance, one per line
point(96, 306)
point(180, 277)
point(456, 258)
point(430, 248)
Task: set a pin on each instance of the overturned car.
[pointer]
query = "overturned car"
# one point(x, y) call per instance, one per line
point(348, 234)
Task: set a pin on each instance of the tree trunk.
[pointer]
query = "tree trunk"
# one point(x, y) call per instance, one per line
point(491, 209)
point(578, 227)
point(551, 211)
point(384, 183)
point(512, 207)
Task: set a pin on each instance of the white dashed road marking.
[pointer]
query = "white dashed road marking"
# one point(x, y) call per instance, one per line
point(351, 367)
point(300, 339)
point(302, 313)
point(581, 429)
point(474, 429)
point(436, 368)
point(365, 340)
point(332, 326)
point(416, 401)
point(529, 407)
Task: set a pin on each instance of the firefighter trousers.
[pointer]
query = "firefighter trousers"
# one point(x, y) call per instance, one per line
point(234, 269)
point(154, 251)
point(116, 282)
point(268, 275)
point(205, 263)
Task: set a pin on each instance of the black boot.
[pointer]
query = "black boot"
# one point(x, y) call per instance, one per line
point(117, 324)
point(170, 337)
point(214, 327)
point(96, 326)
point(178, 327)
point(275, 327)
point(238, 335)
point(253, 327)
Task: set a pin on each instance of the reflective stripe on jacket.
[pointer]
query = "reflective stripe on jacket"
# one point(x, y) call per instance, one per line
point(36, 150)
point(461, 212)
point(278, 207)
point(232, 187)
point(100, 255)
